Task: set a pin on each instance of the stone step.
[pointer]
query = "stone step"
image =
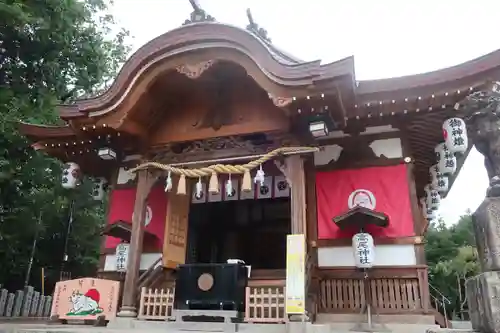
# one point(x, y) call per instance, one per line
point(168, 327)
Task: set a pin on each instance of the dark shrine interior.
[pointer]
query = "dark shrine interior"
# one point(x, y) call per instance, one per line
point(251, 230)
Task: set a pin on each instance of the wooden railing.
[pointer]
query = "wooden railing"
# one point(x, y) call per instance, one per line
point(389, 295)
point(156, 304)
point(265, 302)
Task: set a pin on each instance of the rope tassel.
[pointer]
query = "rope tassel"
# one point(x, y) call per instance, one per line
point(181, 187)
point(246, 184)
point(213, 185)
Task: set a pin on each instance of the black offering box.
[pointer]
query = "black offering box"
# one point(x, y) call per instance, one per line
point(211, 287)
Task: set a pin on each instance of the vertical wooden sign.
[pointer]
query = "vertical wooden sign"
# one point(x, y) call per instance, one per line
point(176, 228)
point(295, 274)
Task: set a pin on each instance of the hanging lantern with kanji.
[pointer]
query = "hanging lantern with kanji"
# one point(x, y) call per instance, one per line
point(432, 197)
point(121, 257)
point(99, 188)
point(71, 175)
point(446, 160)
point(428, 213)
point(364, 250)
point(438, 180)
point(455, 135)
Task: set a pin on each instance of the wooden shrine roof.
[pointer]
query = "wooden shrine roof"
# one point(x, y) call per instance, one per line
point(417, 104)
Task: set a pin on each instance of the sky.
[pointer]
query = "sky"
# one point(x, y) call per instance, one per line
point(388, 38)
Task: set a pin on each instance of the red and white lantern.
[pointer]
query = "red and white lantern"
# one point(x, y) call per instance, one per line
point(455, 135)
point(446, 160)
point(71, 175)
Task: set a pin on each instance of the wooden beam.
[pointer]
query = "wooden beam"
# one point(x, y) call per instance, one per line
point(146, 180)
point(295, 169)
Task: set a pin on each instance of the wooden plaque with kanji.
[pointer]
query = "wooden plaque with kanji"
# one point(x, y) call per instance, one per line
point(176, 227)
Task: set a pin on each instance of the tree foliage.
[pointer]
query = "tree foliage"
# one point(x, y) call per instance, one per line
point(452, 258)
point(50, 51)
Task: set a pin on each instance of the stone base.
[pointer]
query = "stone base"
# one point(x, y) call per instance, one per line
point(121, 323)
point(486, 221)
point(450, 330)
point(483, 297)
point(127, 312)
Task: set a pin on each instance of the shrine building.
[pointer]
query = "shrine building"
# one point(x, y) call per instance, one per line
point(216, 146)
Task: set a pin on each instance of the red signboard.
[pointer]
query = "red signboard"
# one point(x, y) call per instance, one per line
point(382, 189)
point(121, 208)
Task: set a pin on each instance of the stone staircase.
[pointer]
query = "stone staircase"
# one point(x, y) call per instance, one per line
point(166, 327)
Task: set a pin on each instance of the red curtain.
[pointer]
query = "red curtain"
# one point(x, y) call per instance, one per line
point(121, 207)
point(383, 189)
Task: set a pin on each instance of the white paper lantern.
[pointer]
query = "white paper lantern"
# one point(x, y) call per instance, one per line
point(364, 250)
point(442, 183)
point(71, 175)
point(100, 186)
point(121, 256)
point(438, 180)
point(432, 197)
point(434, 172)
point(430, 214)
point(447, 162)
point(455, 135)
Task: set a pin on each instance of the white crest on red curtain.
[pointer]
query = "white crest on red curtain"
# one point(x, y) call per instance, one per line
point(362, 198)
point(149, 216)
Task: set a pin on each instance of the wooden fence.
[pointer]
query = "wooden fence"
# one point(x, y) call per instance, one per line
point(389, 295)
point(24, 303)
point(156, 304)
point(265, 303)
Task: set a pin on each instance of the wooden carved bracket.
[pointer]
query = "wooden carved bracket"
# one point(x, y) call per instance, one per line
point(281, 165)
point(280, 102)
point(194, 71)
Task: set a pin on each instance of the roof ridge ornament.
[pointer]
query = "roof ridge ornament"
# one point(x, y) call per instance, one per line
point(198, 14)
point(255, 29)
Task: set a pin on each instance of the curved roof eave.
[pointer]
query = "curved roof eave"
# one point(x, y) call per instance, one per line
point(472, 72)
point(41, 132)
point(192, 37)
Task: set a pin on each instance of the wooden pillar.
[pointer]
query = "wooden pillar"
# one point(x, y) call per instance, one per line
point(295, 171)
point(146, 180)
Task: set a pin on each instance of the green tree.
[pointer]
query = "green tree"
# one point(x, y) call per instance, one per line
point(50, 51)
point(452, 258)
